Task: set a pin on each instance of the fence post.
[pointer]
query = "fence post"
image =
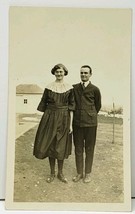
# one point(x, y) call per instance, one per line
point(113, 123)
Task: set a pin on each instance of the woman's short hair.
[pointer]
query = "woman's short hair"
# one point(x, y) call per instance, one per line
point(59, 66)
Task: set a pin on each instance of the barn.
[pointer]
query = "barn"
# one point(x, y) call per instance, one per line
point(28, 97)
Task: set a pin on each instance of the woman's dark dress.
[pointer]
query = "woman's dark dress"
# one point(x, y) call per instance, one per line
point(52, 137)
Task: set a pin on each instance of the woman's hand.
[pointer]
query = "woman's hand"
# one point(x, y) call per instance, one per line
point(70, 129)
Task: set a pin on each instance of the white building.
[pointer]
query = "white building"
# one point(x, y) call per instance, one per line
point(28, 97)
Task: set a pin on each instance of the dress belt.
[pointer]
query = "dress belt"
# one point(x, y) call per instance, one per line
point(55, 107)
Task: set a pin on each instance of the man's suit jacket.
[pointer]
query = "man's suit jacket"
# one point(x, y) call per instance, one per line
point(88, 104)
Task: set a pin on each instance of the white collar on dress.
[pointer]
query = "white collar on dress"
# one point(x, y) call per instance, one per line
point(59, 87)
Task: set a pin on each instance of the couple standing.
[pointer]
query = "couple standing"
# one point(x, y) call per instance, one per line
point(65, 107)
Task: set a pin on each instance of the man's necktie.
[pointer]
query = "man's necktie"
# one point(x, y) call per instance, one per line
point(83, 85)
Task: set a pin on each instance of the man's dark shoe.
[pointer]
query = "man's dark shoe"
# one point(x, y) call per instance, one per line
point(61, 177)
point(87, 178)
point(77, 178)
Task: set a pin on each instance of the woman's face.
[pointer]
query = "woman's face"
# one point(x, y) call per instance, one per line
point(59, 74)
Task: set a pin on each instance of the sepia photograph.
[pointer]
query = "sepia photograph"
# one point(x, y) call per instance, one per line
point(69, 109)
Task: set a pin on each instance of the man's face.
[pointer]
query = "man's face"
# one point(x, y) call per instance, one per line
point(85, 74)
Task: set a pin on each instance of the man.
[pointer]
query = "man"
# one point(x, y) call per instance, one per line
point(88, 104)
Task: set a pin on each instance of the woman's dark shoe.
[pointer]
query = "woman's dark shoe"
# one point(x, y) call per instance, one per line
point(50, 178)
point(77, 178)
point(61, 177)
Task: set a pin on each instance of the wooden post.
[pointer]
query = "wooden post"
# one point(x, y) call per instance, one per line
point(113, 123)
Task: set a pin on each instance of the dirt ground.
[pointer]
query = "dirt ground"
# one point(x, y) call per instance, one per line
point(106, 184)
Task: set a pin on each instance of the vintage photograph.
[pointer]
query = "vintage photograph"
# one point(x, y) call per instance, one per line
point(69, 109)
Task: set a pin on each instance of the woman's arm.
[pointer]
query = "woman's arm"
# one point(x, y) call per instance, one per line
point(42, 105)
point(71, 122)
point(71, 109)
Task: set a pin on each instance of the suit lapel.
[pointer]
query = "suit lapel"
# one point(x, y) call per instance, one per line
point(87, 88)
point(79, 89)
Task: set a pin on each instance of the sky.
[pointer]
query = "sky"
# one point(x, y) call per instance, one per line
point(41, 37)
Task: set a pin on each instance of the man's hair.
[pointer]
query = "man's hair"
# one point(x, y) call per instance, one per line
point(87, 66)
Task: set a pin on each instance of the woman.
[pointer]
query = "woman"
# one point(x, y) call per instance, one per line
point(53, 138)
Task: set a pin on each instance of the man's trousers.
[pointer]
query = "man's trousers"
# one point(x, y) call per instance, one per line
point(84, 139)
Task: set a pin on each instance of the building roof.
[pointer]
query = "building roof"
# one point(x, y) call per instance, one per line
point(28, 89)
